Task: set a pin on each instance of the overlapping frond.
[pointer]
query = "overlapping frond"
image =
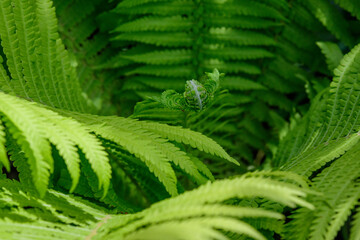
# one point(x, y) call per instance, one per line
point(201, 211)
point(252, 42)
point(56, 216)
point(198, 214)
point(325, 148)
point(34, 128)
point(36, 59)
point(332, 53)
point(151, 143)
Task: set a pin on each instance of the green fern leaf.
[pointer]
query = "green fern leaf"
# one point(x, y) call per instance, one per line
point(238, 37)
point(133, 3)
point(351, 6)
point(329, 16)
point(245, 8)
point(201, 206)
point(355, 230)
point(158, 39)
point(332, 53)
point(167, 57)
point(36, 59)
point(186, 136)
point(3, 156)
point(11, 47)
point(35, 127)
point(174, 7)
point(178, 71)
point(26, 128)
point(241, 53)
point(245, 22)
point(154, 23)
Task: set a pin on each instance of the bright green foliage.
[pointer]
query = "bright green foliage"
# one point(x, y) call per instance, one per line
point(148, 142)
point(34, 127)
point(55, 216)
point(196, 214)
point(328, 154)
point(332, 52)
point(37, 67)
point(36, 59)
point(193, 215)
point(59, 66)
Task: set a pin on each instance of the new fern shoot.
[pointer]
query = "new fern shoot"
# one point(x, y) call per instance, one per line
point(197, 95)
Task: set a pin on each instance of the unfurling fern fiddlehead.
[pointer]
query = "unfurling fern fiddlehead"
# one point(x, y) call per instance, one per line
point(196, 96)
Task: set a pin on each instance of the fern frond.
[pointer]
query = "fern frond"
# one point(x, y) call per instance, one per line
point(148, 142)
point(241, 53)
point(129, 3)
point(35, 128)
point(159, 39)
point(244, 8)
point(355, 230)
point(59, 216)
point(154, 23)
point(178, 71)
point(30, 136)
point(331, 18)
point(167, 57)
point(11, 47)
point(337, 180)
point(36, 59)
point(332, 54)
point(341, 194)
point(245, 22)
point(159, 8)
point(186, 136)
point(342, 103)
point(342, 212)
point(239, 83)
point(75, 133)
point(56, 216)
point(313, 159)
point(202, 206)
point(238, 37)
point(232, 67)
point(3, 156)
point(351, 6)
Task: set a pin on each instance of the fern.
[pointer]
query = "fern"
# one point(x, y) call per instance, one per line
point(332, 53)
point(327, 154)
point(355, 228)
point(201, 208)
point(35, 127)
point(145, 179)
point(73, 218)
point(29, 30)
point(252, 42)
point(147, 142)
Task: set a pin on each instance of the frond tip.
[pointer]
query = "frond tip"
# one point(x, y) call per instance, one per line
point(200, 213)
point(34, 128)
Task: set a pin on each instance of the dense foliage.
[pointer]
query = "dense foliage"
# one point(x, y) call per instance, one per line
point(179, 119)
